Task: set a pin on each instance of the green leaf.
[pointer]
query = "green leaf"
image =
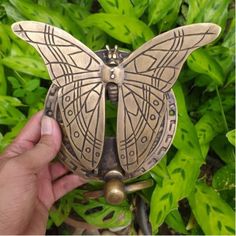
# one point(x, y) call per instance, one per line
point(212, 104)
point(200, 62)
point(103, 215)
point(32, 85)
point(36, 12)
point(76, 12)
point(170, 20)
point(231, 78)
point(3, 82)
point(175, 221)
point(19, 46)
point(123, 28)
point(12, 12)
point(208, 11)
point(231, 136)
point(185, 137)
point(10, 101)
point(10, 115)
point(183, 169)
point(87, 4)
point(229, 40)
point(139, 6)
point(223, 149)
point(9, 136)
point(158, 10)
point(95, 39)
point(212, 214)
point(62, 210)
point(209, 126)
point(32, 97)
point(224, 178)
point(27, 65)
point(120, 7)
point(35, 108)
point(5, 42)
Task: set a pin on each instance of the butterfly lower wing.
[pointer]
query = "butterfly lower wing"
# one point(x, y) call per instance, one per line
point(150, 72)
point(82, 108)
point(140, 112)
point(75, 69)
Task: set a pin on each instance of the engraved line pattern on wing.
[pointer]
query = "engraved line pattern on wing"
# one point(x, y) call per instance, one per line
point(64, 56)
point(162, 59)
point(83, 118)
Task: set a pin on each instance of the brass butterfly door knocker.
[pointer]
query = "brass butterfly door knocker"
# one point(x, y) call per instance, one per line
point(139, 82)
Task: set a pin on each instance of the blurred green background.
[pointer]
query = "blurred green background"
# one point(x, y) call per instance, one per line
point(194, 189)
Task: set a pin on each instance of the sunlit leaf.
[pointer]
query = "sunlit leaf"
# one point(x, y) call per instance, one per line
point(120, 7)
point(213, 214)
point(27, 65)
point(231, 136)
point(175, 221)
point(122, 28)
point(208, 11)
point(224, 178)
point(199, 61)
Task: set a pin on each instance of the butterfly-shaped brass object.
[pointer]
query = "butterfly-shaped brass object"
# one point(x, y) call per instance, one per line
point(141, 81)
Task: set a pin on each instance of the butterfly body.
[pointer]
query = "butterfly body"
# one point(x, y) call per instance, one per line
point(139, 82)
point(114, 75)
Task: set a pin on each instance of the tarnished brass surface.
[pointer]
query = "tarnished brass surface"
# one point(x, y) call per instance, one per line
point(114, 191)
point(128, 188)
point(140, 82)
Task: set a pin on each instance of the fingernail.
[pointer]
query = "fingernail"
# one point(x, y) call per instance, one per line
point(46, 126)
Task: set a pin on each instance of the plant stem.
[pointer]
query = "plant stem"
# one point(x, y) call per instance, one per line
point(222, 110)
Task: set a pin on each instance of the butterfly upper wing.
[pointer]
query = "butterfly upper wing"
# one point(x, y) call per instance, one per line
point(150, 72)
point(75, 69)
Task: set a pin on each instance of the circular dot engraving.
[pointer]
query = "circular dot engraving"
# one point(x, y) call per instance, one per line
point(67, 98)
point(76, 134)
point(97, 154)
point(70, 112)
point(49, 113)
point(131, 153)
point(152, 117)
point(155, 102)
point(171, 112)
point(112, 76)
point(88, 149)
point(122, 156)
point(144, 139)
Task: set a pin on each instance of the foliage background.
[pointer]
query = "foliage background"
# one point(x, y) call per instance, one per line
point(194, 183)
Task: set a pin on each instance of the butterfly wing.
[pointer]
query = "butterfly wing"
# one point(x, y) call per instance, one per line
point(75, 69)
point(150, 72)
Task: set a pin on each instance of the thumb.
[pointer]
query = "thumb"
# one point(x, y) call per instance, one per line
point(47, 147)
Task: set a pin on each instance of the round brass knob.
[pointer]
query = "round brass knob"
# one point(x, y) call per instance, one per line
point(114, 191)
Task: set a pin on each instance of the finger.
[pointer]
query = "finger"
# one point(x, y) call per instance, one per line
point(27, 138)
point(66, 184)
point(57, 170)
point(47, 147)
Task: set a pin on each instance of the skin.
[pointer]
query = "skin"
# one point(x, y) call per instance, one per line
point(29, 183)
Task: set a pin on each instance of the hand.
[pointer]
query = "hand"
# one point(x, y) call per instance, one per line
point(29, 184)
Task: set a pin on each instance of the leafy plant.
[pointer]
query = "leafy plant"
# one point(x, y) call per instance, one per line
point(194, 183)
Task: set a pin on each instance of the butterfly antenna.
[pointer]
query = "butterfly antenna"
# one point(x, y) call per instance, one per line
point(108, 48)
